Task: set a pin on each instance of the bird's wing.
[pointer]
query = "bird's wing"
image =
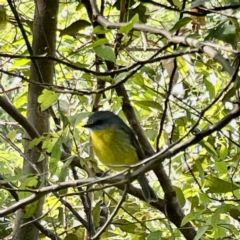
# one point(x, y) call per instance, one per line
point(134, 142)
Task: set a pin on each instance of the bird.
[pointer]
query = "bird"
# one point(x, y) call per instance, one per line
point(116, 146)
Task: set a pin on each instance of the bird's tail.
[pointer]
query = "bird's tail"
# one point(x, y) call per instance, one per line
point(148, 192)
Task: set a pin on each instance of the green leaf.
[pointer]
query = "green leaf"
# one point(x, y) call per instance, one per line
point(138, 79)
point(197, 3)
point(17, 177)
point(235, 213)
point(96, 214)
point(223, 151)
point(180, 196)
point(209, 147)
point(224, 32)
point(148, 104)
point(221, 167)
point(181, 23)
point(49, 143)
point(30, 209)
point(72, 236)
point(154, 235)
point(219, 232)
point(200, 232)
point(47, 98)
point(126, 225)
point(210, 88)
point(191, 216)
point(99, 42)
point(12, 134)
point(77, 118)
point(105, 52)
point(217, 185)
point(120, 76)
point(126, 29)
point(177, 3)
point(215, 219)
point(200, 169)
point(35, 142)
point(20, 63)
point(149, 71)
point(75, 27)
point(230, 93)
point(3, 17)
point(56, 150)
point(100, 30)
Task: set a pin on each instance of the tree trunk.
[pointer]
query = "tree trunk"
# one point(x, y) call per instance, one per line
point(44, 41)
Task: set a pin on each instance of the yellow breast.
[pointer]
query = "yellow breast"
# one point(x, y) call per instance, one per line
point(113, 147)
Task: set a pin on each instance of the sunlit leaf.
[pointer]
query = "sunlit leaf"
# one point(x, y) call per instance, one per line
point(47, 98)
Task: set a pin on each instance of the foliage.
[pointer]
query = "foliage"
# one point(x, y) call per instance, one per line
point(180, 74)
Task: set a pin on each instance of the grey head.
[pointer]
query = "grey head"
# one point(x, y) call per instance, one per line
point(104, 119)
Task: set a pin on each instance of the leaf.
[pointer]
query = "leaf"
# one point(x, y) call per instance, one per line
point(49, 142)
point(72, 236)
point(127, 28)
point(62, 177)
point(75, 27)
point(200, 232)
point(30, 209)
point(35, 142)
point(200, 169)
point(217, 185)
point(56, 149)
point(47, 98)
point(181, 23)
point(224, 32)
point(99, 42)
point(77, 118)
point(191, 216)
point(223, 151)
point(148, 104)
point(120, 77)
point(221, 167)
point(220, 232)
point(209, 147)
point(235, 213)
point(3, 17)
point(210, 88)
point(126, 225)
point(230, 93)
point(100, 30)
point(12, 135)
point(17, 177)
point(197, 3)
point(96, 214)
point(154, 235)
point(138, 79)
point(105, 52)
point(149, 71)
point(215, 219)
point(63, 107)
point(180, 196)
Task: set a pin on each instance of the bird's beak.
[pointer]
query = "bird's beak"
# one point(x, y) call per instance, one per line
point(85, 125)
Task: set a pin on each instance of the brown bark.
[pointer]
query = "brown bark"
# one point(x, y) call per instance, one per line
point(44, 40)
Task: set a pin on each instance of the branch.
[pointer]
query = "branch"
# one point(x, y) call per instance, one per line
point(150, 163)
point(173, 149)
point(191, 42)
